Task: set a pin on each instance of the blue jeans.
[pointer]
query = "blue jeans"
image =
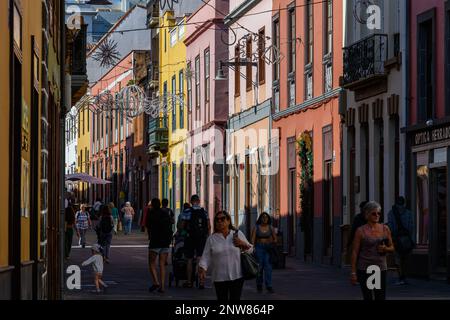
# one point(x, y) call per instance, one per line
point(265, 267)
point(127, 223)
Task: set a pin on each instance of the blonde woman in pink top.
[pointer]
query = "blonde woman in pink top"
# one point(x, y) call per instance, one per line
point(128, 214)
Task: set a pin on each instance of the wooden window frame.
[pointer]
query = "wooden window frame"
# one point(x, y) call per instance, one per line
point(261, 51)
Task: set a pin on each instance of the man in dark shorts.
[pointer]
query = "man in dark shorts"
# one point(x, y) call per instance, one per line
point(196, 224)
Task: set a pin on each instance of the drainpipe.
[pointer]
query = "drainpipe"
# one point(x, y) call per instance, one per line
point(62, 128)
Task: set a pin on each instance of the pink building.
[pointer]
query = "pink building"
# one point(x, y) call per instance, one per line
point(428, 135)
point(207, 100)
point(111, 135)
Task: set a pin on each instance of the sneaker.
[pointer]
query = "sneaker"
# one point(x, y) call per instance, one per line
point(153, 288)
point(259, 288)
point(270, 290)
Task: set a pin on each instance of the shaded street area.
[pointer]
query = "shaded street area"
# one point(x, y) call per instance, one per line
point(128, 277)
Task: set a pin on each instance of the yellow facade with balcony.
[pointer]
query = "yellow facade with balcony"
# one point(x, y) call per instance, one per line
point(172, 91)
point(84, 116)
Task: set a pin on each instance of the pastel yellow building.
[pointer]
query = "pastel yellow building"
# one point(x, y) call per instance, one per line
point(4, 133)
point(172, 88)
point(30, 88)
point(83, 147)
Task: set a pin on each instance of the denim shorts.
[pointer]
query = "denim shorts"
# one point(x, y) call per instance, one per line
point(160, 250)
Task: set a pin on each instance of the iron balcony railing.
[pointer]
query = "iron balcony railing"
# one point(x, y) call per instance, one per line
point(365, 58)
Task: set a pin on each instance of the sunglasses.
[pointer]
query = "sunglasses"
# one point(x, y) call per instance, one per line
point(375, 214)
point(221, 219)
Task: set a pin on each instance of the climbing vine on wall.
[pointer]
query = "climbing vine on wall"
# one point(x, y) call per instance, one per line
point(305, 154)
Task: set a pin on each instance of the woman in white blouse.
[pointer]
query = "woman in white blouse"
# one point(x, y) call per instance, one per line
point(222, 254)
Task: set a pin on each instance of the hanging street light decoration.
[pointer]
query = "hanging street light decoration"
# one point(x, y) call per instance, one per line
point(107, 53)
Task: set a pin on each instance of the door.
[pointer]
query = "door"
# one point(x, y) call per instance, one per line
point(439, 220)
point(292, 212)
point(328, 210)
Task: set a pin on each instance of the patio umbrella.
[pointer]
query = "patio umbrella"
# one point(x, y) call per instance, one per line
point(84, 177)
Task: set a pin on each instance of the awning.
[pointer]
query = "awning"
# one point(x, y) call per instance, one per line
point(84, 177)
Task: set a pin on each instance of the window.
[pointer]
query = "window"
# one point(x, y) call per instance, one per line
point(181, 86)
point(309, 85)
point(189, 88)
point(447, 57)
point(276, 65)
point(292, 40)
point(79, 124)
point(276, 44)
point(165, 102)
point(84, 119)
point(17, 27)
point(248, 72)
point(174, 104)
point(309, 31)
point(165, 40)
point(291, 57)
point(423, 200)
point(207, 78)
point(237, 73)
point(426, 65)
point(181, 31)
point(197, 81)
point(261, 54)
point(328, 37)
point(173, 37)
point(328, 77)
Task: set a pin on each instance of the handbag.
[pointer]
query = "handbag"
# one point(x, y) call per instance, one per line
point(249, 265)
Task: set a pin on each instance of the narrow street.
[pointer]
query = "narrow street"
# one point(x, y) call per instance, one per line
point(128, 278)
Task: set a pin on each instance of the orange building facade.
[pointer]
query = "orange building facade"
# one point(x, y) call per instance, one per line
point(305, 110)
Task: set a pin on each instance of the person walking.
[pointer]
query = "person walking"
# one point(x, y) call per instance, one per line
point(222, 254)
point(264, 238)
point(372, 241)
point(96, 260)
point(159, 227)
point(115, 215)
point(165, 207)
point(197, 227)
point(69, 226)
point(128, 214)
point(105, 230)
point(400, 221)
point(82, 222)
point(143, 222)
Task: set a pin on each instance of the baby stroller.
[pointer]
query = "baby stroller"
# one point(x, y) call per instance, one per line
point(179, 262)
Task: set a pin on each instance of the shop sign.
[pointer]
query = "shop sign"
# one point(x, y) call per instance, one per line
point(432, 135)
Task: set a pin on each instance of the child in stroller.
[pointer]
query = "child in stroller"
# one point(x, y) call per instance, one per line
point(179, 261)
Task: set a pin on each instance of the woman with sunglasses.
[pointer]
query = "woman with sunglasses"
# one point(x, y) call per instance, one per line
point(222, 254)
point(372, 241)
